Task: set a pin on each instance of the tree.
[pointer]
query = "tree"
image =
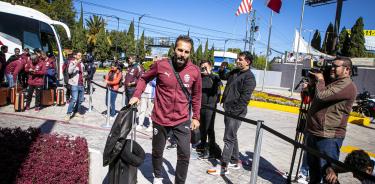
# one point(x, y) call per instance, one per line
point(211, 57)
point(344, 42)
point(316, 40)
point(117, 38)
point(357, 39)
point(171, 51)
point(260, 62)
point(141, 47)
point(192, 54)
point(328, 40)
point(102, 46)
point(94, 25)
point(79, 35)
point(234, 50)
point(199, 55)
point(206, 51)
point(130, 40)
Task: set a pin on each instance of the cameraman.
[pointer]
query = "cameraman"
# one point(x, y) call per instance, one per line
point(328, 114)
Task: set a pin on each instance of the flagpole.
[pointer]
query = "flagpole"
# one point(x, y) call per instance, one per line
point(297, 54)
point(268, 50)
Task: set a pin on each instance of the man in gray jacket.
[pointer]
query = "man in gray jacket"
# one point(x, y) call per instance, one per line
point(76, 72)
point(237, 93)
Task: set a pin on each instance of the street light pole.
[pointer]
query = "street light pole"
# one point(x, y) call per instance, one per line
point(225, 43)
point(118, 26)
point(139, 20)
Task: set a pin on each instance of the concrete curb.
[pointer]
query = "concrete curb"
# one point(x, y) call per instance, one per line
point(97, 172)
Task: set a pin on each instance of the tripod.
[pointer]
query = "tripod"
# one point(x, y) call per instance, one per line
point(300, 138)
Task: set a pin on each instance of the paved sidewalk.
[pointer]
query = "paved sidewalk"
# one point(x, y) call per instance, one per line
point(276, 154)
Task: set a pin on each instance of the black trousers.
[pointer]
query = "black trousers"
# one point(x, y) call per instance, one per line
point(129, 94)
point(38, 95)
point(207, 127)
point(68, 92)
point(182, 134)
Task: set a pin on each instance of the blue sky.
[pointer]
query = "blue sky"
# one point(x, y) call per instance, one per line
point(216, 20)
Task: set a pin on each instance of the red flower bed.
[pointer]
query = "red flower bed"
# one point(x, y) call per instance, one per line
point(27, 156)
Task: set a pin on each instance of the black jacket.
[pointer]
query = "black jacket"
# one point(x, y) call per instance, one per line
point(238, 90)
point(211, 89)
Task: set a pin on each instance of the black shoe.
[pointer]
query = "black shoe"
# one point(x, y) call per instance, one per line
point(171, 146)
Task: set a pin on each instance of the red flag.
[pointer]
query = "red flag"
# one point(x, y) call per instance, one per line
point(245, 7)
point(275, 5)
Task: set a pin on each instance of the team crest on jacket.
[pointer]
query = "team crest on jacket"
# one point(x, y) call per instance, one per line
point(187, 78)
point(155, 131)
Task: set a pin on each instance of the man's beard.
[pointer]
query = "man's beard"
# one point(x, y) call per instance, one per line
point(180, 61)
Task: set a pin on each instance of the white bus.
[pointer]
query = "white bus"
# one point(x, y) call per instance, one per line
point(22, 27)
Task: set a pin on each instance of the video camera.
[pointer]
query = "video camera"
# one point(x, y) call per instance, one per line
point(322, 66)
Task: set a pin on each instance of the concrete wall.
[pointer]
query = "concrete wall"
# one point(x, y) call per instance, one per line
point(273, 78)
point(364, 80)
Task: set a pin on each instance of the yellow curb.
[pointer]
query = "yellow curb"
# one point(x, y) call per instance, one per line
point(272, 106)
point(359, 121)
point(349, 149)
point(284, 108)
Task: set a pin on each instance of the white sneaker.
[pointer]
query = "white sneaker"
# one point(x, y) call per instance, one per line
point(302, 179)
point(218, 170)
point(158, 181)
point(234, 166)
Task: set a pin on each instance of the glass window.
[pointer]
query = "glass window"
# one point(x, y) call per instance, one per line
point(31, 40)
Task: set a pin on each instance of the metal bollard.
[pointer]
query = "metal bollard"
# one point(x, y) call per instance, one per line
point(257, 148)
point(107, 125)
point(123, 98)
point(90, 97)
point(134, 124)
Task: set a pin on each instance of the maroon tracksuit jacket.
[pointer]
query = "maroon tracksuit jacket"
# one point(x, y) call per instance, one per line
point(171, 107)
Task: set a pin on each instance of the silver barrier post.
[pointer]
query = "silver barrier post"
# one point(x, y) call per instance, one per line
point(134, 124)
point(107, 125)
point(123, 98)
point(256, 155)
point(90, 97)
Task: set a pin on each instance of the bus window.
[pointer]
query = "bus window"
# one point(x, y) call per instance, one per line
point(31, 40)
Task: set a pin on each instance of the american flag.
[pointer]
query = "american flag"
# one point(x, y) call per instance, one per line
point(245, 7)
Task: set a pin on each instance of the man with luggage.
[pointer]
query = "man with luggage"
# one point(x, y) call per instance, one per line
point(13, 69)
point(172, 105)
point(237, 93)
point(76, 72)
point(36, 70)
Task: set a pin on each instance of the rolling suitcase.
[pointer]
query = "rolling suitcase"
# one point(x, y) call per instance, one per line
point(48, 96)
point(60, 97)
point(19, 102)
point(3, 96)
point(13, 93)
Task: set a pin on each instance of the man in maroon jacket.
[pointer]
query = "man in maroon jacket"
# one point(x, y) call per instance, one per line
point(133, 73)
point(171, 107)
point(36, 70)
point(13, 69)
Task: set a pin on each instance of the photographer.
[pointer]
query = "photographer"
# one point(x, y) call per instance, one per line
point(210, 96)
point(328, 115)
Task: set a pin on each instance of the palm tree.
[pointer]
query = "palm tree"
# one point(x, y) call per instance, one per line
point(94, 24)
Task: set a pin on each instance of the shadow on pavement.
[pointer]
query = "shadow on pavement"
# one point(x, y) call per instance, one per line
point(147, 169)
point(266, 170)
point(47, 126)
